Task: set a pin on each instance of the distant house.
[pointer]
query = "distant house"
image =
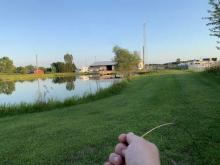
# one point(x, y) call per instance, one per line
point(185, 64)
point(103, 67)
point(152, 67)
point(195, 65)
point(84, 69)
point(171, 65)
point(38, 71)
point(201, 65)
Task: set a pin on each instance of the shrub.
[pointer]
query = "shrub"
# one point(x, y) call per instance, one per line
point(215, 69)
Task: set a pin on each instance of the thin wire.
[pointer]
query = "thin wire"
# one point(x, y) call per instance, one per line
point(162, 125)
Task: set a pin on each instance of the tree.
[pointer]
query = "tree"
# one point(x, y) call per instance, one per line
point(7, 87)
point(48, 70)
point(58, 67)
point(68, 58)
point(61, 67)
point(70, 66)
point(68, 80)
point(178, 61)
point(127, 62)
point(54, 67)
point(30, 68)
point(6, 65)
point(21, 70)
point(214, 19)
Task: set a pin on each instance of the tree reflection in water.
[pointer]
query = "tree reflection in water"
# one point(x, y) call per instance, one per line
point(68, 80)
point(42, 95)
point(7, 87)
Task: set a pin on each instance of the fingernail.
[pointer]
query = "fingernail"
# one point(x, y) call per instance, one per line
point(131, 133)
point(116, 159)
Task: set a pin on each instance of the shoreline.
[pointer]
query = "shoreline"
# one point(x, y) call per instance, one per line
point(21, 108)
point(23, 77)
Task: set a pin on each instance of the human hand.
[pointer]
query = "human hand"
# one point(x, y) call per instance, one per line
point(134, 150)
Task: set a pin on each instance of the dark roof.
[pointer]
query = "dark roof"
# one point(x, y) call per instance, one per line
point(103, 63)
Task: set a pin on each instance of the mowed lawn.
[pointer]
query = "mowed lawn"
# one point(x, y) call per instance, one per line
point(85, 134)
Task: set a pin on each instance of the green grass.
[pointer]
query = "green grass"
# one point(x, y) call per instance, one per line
point(23, 77)
point(85, 134)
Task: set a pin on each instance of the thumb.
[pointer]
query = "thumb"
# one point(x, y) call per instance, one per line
point(131, 137)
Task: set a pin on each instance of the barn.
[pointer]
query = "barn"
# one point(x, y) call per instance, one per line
point(38, 71)
point(103, 67)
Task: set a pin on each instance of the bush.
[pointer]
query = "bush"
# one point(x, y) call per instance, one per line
point(214, 69)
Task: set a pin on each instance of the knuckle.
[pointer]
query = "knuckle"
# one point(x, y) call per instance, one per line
point(153, 146)
point(111, 155)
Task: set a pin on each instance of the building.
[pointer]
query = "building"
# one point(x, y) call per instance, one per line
point(38, 71)
point(195, 65)
point(152, 67)
point(103, 67)
point(185, 64)
point(170, 65)
point(201, 65)
point(84, 69)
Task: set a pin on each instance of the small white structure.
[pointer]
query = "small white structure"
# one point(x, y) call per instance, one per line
point(84, 69)
point(201, 65)
point(141, 65)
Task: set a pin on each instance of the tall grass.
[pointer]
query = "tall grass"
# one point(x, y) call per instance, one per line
point(13, 109)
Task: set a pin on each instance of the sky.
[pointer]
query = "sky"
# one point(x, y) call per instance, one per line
point(89, 29)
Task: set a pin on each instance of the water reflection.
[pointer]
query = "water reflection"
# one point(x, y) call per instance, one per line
point(68, 80)
point(59, 88)
point(41, 95)
point(7, 87)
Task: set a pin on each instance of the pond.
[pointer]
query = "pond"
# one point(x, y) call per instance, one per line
point(59, 88)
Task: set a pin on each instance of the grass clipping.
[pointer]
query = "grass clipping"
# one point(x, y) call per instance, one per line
point(162, 125)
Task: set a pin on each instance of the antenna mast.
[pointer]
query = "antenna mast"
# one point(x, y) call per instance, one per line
point(144, 43)
point(36, 62)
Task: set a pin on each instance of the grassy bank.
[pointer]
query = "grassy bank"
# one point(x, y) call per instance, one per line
point(10, 109)
point(23, 77)
point(85, 134)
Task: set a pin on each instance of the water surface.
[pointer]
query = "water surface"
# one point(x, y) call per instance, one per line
point(56, 88)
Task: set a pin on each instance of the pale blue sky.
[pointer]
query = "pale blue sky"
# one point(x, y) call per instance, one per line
point(90, 28)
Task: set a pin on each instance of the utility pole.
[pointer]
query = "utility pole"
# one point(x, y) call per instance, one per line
point(36, 62)
point(144, 44)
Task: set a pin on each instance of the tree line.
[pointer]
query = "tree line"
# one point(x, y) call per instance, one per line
point(7, 66)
